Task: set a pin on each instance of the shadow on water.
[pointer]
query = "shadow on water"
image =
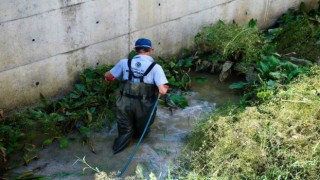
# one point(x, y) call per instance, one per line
point(157, 151)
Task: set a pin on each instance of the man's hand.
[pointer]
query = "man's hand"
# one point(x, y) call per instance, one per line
point(163, 88)
point(108, 77)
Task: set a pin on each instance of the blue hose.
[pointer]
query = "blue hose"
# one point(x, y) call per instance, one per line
point(138, 144)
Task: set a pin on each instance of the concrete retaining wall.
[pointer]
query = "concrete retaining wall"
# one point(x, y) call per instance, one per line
point(44, 44)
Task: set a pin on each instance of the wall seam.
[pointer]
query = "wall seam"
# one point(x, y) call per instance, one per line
point(129, 25)
point(266, 13)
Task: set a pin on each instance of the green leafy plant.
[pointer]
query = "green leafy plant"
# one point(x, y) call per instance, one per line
point(179, 100)
point(177, 71)
point(298, 33)
point(88, 107)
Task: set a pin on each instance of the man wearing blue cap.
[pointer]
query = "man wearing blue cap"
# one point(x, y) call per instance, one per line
point(141, 82)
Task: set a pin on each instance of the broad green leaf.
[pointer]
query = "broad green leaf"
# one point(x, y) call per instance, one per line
point(293, 74)
point(238, 85)
point(289, 66)
point(74, 95)
point(80, 87)
point(188, 62)
point(88, 74)
point(172, 64)
point(93, 109)
point(172, 80)
point(273, 62)
point(185, 62)
point(263, 68)
point(179, 100)
point(275, 75)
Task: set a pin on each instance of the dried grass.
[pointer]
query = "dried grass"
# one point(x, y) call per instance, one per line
point(277, 139)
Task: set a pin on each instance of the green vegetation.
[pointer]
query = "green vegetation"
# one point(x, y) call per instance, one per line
point(259, 55)
point(89, 107)
point(274, 132)
point(299, 33)
point(231, 42)
point(278, 139)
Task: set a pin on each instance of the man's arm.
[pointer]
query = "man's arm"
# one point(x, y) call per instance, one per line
point(116, 71)
point(161, 80)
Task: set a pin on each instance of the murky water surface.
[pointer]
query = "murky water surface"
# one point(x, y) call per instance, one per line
point(157, 151)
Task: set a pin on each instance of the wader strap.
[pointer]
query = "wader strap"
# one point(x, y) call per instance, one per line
point(147, 71)
point(131, 74)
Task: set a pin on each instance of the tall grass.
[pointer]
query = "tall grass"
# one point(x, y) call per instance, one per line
point(278, 139)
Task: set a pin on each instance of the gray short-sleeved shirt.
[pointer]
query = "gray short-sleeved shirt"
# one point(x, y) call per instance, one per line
point(139, 65)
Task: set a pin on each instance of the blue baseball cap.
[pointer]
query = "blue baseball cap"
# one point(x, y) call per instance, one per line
point(143, 42)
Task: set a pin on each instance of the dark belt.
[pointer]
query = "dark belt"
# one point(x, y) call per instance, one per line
point(136, 97)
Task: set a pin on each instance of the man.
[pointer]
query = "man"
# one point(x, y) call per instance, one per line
point(142, 81)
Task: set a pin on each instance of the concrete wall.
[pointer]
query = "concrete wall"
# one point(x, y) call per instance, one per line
point(44, 44)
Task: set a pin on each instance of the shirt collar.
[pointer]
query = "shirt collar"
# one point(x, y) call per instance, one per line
point(146, 57)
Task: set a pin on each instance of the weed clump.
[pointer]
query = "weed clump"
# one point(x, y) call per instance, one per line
point(299, 33)
point(231, 42)
point(279, 138)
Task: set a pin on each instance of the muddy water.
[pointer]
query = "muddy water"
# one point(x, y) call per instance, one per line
point(157, 151)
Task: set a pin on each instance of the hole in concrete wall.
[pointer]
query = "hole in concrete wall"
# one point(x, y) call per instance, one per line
point(159, 4)
point(159, 43)
point(33, 40)
point(234, 21)
point(97, 63)
point(97, 22)
point(246, 13)
point(37, 83)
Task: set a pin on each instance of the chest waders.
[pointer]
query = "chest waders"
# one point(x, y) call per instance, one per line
point(134, 106)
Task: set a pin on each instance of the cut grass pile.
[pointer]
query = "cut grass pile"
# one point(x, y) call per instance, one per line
point(279, 138)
